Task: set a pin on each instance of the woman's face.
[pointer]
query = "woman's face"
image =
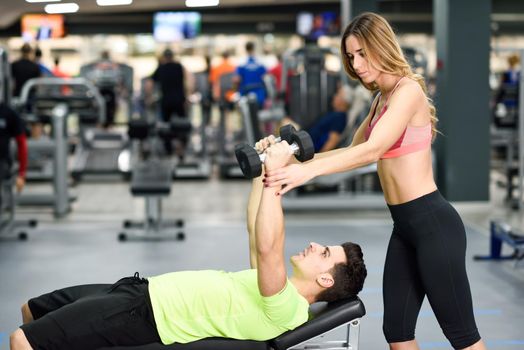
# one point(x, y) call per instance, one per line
point(360, 60)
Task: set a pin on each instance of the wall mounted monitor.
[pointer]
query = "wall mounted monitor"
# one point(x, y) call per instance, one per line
point(314, 25)
point(42, 27)
point(176, 26)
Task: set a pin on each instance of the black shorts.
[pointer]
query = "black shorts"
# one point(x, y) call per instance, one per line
point(93, 316)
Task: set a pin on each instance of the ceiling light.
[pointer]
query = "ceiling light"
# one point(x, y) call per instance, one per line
point(201, 3)
point(113, 2)
point(41, 1)
point(67, 7)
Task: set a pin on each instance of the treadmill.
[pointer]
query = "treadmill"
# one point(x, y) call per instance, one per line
point(197, 163)
point(103, 151)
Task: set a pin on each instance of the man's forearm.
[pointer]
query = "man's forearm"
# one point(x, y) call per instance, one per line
point(269, 227)
point(252, 209)
point(269, 223)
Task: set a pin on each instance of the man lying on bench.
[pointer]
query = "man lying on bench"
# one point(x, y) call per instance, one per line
point(182, 307)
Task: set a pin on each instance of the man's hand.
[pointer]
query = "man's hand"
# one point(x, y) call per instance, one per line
point(20, 182)
point(277, 156)
point(264, 143)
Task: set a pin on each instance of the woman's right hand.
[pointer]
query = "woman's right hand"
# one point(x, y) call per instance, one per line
point(288, 177)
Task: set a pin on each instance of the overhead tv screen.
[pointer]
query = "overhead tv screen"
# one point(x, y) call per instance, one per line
point(42, 27)
point(176, 26)
point(314, 25)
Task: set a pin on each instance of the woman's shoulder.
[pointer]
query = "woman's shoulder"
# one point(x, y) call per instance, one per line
point(409, 82)
point(410, 86)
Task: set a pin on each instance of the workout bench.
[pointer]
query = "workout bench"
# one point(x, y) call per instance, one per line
point(151, 179)
point(324, 318)
point(500, 232)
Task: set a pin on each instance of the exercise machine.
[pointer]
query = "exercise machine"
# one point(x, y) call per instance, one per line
point(506, 135)
point(196, 163)
point(46, 97)
point(228, 166)
point(501, 232)
point(102, 151)
point(311, 85)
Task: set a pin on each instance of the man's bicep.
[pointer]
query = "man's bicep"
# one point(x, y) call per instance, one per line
point(272, 275)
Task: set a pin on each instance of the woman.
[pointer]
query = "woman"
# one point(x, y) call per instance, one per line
point(426, 252)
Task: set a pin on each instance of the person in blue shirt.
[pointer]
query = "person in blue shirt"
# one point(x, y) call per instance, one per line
point(44, 71)
point(507, 97)
point(250, 76)
point(326, 132)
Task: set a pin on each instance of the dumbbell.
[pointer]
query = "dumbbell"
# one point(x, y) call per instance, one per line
point(244, 152)
point(251, 161)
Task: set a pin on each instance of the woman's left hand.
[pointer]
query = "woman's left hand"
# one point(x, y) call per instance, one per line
point(288, 177)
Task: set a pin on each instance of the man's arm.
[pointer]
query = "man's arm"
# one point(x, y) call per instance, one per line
point(269, 228)
point(332, 141)
point(254, 202)
point(252, 209)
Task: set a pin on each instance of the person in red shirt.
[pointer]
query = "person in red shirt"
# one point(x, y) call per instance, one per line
point(57, 72)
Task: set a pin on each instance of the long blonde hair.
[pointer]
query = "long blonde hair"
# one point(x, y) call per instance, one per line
point(380, 44)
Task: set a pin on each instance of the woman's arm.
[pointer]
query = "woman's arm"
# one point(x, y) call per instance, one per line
point(358, 138)
point(402, 106)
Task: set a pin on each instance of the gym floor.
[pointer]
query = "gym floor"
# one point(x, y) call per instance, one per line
point(83, 248)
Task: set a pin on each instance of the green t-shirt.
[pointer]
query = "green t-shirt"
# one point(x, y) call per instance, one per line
point(192, 305)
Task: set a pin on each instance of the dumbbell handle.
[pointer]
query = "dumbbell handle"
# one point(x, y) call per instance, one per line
point(293, 147)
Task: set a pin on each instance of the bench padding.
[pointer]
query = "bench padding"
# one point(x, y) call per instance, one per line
point(151, 178)
point(323, 318)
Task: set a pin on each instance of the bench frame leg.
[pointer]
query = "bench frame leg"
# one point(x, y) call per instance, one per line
point(153, 227)
point(350, 343)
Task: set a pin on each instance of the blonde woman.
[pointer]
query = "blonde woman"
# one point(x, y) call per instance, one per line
point(426, 252)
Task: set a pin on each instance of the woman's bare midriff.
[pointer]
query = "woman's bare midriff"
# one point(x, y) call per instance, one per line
point(407, 177)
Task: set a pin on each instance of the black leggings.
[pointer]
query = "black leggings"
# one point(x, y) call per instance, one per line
point(426, 256)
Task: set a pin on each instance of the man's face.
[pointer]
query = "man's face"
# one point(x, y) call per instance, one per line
point(338, 103)
point(317, 259)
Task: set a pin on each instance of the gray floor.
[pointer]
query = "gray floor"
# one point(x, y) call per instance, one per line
point(82, 248)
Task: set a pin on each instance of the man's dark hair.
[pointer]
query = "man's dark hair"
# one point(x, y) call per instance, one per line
point(349, 277)
point(250, 47)
point(104, 55)
point(26, 49)
point(168, 54)
point(38, 53)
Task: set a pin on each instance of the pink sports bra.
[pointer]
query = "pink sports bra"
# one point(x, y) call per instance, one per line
point(413, 139)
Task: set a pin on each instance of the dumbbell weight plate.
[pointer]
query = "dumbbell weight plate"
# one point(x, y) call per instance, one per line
point(305, 145)
point(248, 160)
point(286, 131)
